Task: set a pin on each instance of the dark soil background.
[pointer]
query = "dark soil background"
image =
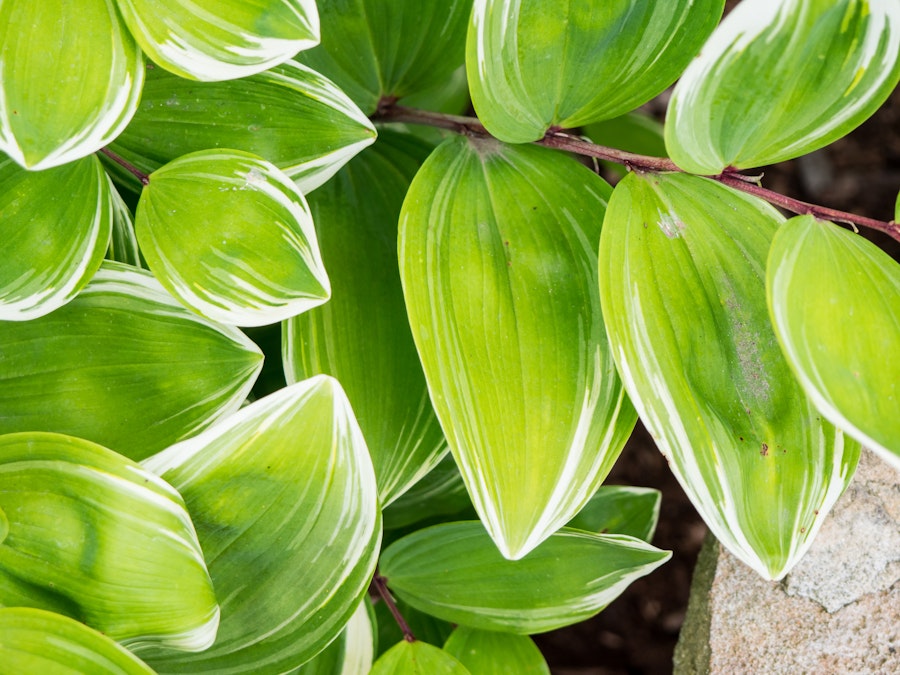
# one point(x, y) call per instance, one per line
point(637, 633)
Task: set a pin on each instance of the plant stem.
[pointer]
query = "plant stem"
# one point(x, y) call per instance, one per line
point(380, 584)
point(470, 126)
point(128, 166)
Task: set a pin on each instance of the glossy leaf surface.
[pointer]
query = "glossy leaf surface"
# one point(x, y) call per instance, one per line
point(99, 534)
point(417, 658)
point(290, 115)
point(533, 65)
point(291, 468)
point(484, 651)
point(54, 229)
point(230, 236)
point(682, 277)
point(215, 40)
point(70, 78)
point(394, 48)
point(35, 641)
point(454, 572)
point(498, 262)
point(362, 335)
point(779, 79)
point(620, 509)
point(123, 365)
point(835, 304)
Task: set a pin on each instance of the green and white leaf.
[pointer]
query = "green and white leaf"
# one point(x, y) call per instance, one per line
point(483, 651)
point(533, 65)
point(682, 278)
point(213, 40)
point(70, 78)
point(417, 658)
point(441, 492)
point(293, 469)
point(835, 303)
point(362, 335)
point(123, 365)
point(123, 244)
point(498, 260)
point(352, 653)
point(231, 237)
point(454, 572)
point(35, 641)
point(294, 117)
point(389, 48)
point(96, 530)
point(54, 230)
point(620, 509)
point(781, 78)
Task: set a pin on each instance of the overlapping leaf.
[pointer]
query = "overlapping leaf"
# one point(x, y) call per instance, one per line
point(682, 268)
point(417, 658)
point(362, 335)
point(781, 78)
point(284, 500)
point(123, 245)
point(484, 651)
point(393, 48)
point(123, 365)
point(221, 39)
point(425, 627)
point(70, 78)
point(441, 492)
point(835, 303)
point(35, 641)
point(230, 236)
point(290, 115)
point(620, 509)
point(54, 230)
point(498, 262)
point(533, 64)
point(352, 653)
point(94, 532)
point(454, 572)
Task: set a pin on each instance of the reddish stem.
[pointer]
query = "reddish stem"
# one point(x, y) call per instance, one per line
point(128, 166)
point(380, 584)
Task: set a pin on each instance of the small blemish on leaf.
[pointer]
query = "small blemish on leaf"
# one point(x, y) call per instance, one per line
point(764, 450)
point(670, 224)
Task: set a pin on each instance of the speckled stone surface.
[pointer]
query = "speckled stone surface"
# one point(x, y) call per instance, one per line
point(838, 611)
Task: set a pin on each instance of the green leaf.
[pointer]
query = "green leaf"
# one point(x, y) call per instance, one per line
point(424, 626)
point(352, 653)
point(454, 572)
point(835, 303)
point(70, 78)
point(261, 114)
point(389, 48)
point(485, 652)
point(534, 65)
point(682, 278)
point(230, 236)
point(54, 229)
point(35, 641)
point(417, 658)
point(215, 40)
point(123, 244)
point(498, 261)
point(87, 524)
point(778, 80)
point(362, 335)
point(123, 365)
point(620, 509)
point(441, 492)
point(284, 500)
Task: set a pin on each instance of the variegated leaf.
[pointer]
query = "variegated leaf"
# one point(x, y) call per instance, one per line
point(620, 509)
point(417, 658)
point(260, 114)
point(214, 40)
point(352, 653)
point(123, 245)
point(498, 263)
point(781, 78)
point(682, 278)
point(534, 65)
point(284, 500)
point(123, 365)
point(454, 572)
point(230, 236)
point(835, 303)
point(54, 230)
point(440, 493)
point(36, 641)
point(93, 533)
point(483, 651)
point(362, 335)
point(70, 78)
